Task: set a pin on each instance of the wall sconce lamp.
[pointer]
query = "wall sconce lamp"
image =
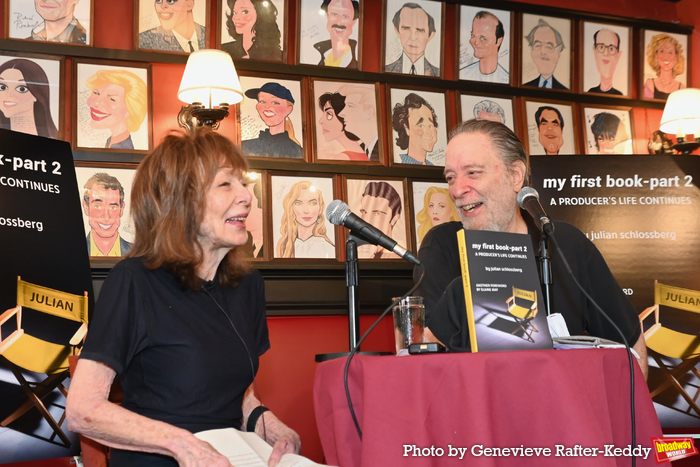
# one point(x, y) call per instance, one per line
point(210, 80)
point(682, 117)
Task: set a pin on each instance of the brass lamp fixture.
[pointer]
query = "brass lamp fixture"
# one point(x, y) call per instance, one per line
point(682, 117)
point(209, 86)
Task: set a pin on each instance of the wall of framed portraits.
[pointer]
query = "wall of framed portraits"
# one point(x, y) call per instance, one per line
point(366, 122)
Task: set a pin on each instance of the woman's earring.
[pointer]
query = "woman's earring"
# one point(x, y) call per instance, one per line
point(318, 220)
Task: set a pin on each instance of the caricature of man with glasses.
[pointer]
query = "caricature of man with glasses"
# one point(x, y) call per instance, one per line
point(606, 49)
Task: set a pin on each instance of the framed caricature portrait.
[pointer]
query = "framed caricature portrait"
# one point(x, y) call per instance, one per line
point(65, 22)
point(254, 223)
point(606, 59)
point(419, 124)
point(31, 87)
point(665, 59)
point(413, 33)
point(485, 107)
point(551, 128)
point(330, 33)
point(382, 203)
point(166, 26)
point(484, 54)
point(105, 194)
point(346, 121)
point(299, 225)
point(271, 117)
point(608, 130)
point(112, 106)
point(253, 29)
point(546, 52)
point(432, 206)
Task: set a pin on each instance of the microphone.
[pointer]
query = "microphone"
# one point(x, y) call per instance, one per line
point(340, 214)
point(529, 200)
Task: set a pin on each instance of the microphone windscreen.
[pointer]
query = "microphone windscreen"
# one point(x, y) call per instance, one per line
point(525, 192)
point(336, 212)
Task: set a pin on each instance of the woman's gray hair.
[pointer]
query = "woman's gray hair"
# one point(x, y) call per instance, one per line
point(503, 139)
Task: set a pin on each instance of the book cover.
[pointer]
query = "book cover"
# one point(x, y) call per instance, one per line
point(504, 302)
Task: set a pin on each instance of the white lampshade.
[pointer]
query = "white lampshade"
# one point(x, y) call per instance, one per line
point(210, 79)
point(682, 113)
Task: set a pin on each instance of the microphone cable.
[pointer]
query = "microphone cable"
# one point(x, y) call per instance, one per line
point(624, 341)
point(357, 346)
point(250, 359)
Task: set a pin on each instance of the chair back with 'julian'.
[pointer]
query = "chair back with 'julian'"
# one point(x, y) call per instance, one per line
point(671, 343)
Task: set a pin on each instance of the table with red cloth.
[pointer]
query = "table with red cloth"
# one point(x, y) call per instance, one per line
point(533, 399)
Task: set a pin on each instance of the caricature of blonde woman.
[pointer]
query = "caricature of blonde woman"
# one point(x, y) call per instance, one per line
point(119, 102)
point(303, 226)
point(438, 208)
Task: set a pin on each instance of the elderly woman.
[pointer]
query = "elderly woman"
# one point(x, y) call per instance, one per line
point(181, 321)
point(118, 102)
point(665, 57)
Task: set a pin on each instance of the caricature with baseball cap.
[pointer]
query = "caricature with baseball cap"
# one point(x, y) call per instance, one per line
point(275, 103)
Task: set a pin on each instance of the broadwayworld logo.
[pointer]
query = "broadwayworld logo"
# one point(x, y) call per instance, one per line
point(670, 449)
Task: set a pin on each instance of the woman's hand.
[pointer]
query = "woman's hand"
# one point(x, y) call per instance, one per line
point(287, 443)
point(200, 454)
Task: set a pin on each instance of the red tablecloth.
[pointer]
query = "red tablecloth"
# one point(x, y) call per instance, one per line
point(533, 399)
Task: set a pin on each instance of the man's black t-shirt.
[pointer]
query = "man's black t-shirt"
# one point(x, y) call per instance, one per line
point(439, 255)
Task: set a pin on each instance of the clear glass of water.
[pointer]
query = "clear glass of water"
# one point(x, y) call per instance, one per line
point(409, 322)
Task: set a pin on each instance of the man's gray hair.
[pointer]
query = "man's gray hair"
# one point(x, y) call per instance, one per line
point(489, 107)
point(502, 138)
point(543, 24)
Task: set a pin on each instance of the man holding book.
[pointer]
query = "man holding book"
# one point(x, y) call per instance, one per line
point(485, 168)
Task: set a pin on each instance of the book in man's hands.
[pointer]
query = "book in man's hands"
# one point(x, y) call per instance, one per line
point(504, 303)
point(248, 449)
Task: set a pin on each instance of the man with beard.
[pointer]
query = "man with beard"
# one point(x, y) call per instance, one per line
point(485, 168)
point(275, 103)
point(339, 50)
point(550, 125)
point(59, 24)
point(177, 31)
point(546, 45)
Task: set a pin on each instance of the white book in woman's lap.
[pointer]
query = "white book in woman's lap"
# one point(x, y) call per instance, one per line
point(248, 449)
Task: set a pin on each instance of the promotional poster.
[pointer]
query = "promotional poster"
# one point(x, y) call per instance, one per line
point(43, 241)
point(643, 214)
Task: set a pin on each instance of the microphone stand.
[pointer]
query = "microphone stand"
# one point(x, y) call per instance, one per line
point(546, 270)
point(352, 280)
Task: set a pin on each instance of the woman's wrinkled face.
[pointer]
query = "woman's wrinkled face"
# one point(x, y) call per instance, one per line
point(227, 207)
point(307, 207)
point(15, 97)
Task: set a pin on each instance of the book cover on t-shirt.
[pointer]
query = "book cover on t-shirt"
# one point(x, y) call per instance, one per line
point(504, 302)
